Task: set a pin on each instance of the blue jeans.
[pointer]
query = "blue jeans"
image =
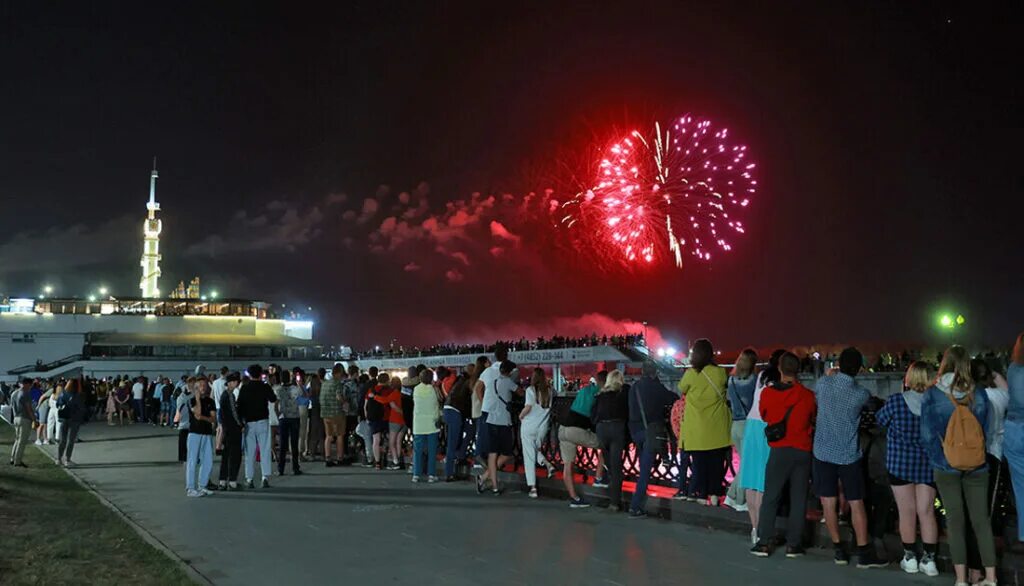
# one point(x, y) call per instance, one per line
point(140, 411)
point(424, 445)
point(455, 448)
point(482, 447)
point(200, 452)
point(1013, 451)
point(644, 474)
point(257, 435)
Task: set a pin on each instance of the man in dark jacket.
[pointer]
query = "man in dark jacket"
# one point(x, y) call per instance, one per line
point(648, 402)
point(253, 409)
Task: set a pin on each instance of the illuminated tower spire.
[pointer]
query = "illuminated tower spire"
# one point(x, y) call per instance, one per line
point(151, 228)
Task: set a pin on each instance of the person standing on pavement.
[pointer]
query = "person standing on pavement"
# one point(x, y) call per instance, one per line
point(578, 430)
point(610, 416)
point(138, 402)
point(425, 429)
point(24, 418)
point(500, 437)
point(334, 418)
point(182, 418)
point(218, 389)
point(963, 488)
point(910, 472)
point(741, 386)
point(534, 420)
point(458, 408)
point(202, 415)
point(649, 402)
point(253, 399)
point(1013, 435)
point(231, 422)
point(288, 406)
point(837, 457)
point(350, 409)
point(71, 410)
point(299, 380)
point(706, 423)
point(789, 409)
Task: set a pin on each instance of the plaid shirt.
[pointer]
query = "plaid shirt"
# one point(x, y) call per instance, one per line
point(330, 406)
point(840, 401)
point(905, 458)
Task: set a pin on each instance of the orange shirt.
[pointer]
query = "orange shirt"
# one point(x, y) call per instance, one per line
point(393, 398)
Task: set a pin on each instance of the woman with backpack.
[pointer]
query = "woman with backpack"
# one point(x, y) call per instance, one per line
point(910, 472)
point(534, 420)
point(706, 422)
point(954, 415)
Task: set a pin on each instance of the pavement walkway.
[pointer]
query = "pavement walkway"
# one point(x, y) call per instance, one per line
point(366, 527)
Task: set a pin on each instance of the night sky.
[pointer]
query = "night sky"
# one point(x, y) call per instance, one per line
point(314, 158)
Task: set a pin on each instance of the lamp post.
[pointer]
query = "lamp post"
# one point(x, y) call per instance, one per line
point(950, 323)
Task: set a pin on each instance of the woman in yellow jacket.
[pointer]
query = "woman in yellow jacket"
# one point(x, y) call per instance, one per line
point(706, 422)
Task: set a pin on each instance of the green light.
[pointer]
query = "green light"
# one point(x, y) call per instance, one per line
point(960, 320)
point(946, 321)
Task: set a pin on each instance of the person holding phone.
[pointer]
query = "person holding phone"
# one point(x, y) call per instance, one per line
point(202, 416)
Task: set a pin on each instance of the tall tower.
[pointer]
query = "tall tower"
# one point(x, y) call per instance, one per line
point(151, 228)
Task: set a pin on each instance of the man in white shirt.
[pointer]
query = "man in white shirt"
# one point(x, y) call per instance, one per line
point(488, 378)
point(138, 389)
point(500, 437)
point(218, 389)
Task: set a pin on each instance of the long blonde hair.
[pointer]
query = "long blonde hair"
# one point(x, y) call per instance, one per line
point(614, 382)
point(957, 361)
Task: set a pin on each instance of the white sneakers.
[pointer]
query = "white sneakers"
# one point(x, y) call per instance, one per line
point(928, 567)
point(431, 479)
point(415, 478)
point(909, 565)
point(533, 492)
point(192, 493)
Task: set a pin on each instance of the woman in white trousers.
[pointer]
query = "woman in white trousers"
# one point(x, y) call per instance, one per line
point(534, 421)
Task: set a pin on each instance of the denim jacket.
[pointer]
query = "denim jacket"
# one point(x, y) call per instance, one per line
point(936, 409)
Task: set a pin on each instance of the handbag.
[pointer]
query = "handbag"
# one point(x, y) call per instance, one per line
point(655, 433)
point(777, 431)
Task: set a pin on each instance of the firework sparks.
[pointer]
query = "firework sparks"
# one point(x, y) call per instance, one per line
point(666, 194)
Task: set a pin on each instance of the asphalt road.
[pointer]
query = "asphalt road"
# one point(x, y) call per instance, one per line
point(351, 524)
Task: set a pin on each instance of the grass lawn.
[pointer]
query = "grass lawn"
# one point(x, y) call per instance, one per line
point(52, 531)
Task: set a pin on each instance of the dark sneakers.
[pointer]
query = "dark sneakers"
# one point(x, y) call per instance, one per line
point(795, 551)
point(841, 557)
point(761, 550)
point(867, 558)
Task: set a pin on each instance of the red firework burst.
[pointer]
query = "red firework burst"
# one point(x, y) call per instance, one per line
point(666, 193)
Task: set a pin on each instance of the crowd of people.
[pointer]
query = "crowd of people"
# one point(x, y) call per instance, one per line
point(954, 429)
point(552, 343)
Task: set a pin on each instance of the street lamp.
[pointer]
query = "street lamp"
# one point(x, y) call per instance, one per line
point(213, 294)
point(92, 298)
point(103, 290)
